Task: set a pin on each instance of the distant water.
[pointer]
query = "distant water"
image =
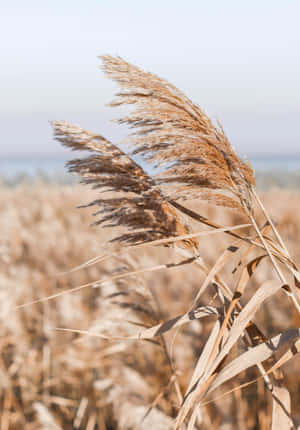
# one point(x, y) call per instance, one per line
point(271, 163)
point(32, 167)
point(268, 168)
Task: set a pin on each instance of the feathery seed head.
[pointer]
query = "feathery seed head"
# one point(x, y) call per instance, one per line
point(130, 197)
point(172, 130)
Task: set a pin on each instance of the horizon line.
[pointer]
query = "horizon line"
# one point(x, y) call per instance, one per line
point(64, 156)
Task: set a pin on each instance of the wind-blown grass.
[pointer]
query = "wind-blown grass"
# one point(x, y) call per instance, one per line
point(196, 162)
point(200, 163)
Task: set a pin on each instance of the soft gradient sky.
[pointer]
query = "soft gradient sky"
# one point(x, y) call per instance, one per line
point(238, 60)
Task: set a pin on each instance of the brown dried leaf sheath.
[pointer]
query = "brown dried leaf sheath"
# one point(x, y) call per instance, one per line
point(136, 203)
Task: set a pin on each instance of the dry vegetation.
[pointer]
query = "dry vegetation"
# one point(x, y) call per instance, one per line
point(148, 336)
point(46, 373)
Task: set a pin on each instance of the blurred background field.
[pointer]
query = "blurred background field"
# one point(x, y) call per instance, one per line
point(59, 380)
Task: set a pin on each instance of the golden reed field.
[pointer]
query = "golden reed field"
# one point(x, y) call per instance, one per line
point(178, 309)
point(61, 380)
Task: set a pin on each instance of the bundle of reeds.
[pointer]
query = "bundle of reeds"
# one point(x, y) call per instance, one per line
point(196, 161)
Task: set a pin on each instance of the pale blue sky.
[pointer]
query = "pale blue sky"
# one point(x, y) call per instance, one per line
point(238, 60)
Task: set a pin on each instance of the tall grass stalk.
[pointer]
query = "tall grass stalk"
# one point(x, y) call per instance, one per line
point(197, 162)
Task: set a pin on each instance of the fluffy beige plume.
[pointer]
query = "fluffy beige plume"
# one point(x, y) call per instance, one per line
point(136, 203)
point(174, 132)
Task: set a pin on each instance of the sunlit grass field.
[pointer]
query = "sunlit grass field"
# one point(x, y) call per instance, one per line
point(55, 379)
